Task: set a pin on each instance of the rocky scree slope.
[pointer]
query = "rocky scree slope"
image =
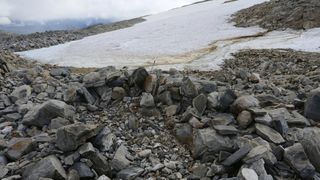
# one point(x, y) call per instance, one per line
point(257, 118)
point(281, 14)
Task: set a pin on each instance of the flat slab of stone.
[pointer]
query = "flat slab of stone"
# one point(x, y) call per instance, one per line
point(237, 156)
point(226, 130)
point(269, 134)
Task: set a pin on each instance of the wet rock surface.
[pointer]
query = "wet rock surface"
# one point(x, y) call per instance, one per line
point(136, 124)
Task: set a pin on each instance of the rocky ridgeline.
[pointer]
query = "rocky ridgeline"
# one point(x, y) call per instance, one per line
point(281, 14)
point(14, 42)
point(237, 123)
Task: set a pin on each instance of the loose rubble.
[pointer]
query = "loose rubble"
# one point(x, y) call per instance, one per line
point(281, 14)
point(135, 124)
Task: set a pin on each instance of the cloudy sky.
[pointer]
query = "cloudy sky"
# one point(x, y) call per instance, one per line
point(44, 10)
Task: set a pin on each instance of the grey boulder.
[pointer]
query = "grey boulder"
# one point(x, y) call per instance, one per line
point(43, 114)
point(310, 141)
point(49, 167)
point(312, 105)
point(208, 140)
point(298, 160)
point(244, 103)
point(70, 137)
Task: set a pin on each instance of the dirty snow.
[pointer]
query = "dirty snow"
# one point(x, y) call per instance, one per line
point(197, 37)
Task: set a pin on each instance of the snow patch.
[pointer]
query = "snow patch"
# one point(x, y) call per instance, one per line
point(196, 37)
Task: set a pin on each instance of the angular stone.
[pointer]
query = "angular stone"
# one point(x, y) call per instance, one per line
point(83, 170)
point(199, 171)
point(165, 98)
point(221, 100)
point(226, 130)
point(120, 160)
point(267, 100)
point(200, 104)
point(279, 119)
point(70, 137)
point(244, 103)
point(188, 114)
point(226, 99)
point(254, 78)
point(145, 153)
point(184, 133)
point(257, 111)
point(310, 140)
point(171, 110)
point(100, 163)
point(130, 173)
point(93, 79)
point(3, 171)
point(48, 167)
point(269, 134)
point(213, 100)
point(195, 123)
point(259, 167)
point(249, 174)
point(298, 160)
point(64, 72)
point(147, 100)
point(13, 117)
point(312, 105)
point(107, 142)
point(59, 122)
point(150, 84)
point(259, 152)
point(20, 93)
point(236, 156)
point(86, 149)
point(208, 140)
point(43, 114)
point(244, 119)
point(265, 119)
point(138, 77)
point(3, 144)
point(19, 147)
point(133, 122)
point(118, 93)
point(188, 88)
point(73, 175)
point(222, 119)
point(3, 160)
point(298, 120)
point(103, 177)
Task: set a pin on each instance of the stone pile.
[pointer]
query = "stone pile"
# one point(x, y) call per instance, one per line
point(236, 123)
